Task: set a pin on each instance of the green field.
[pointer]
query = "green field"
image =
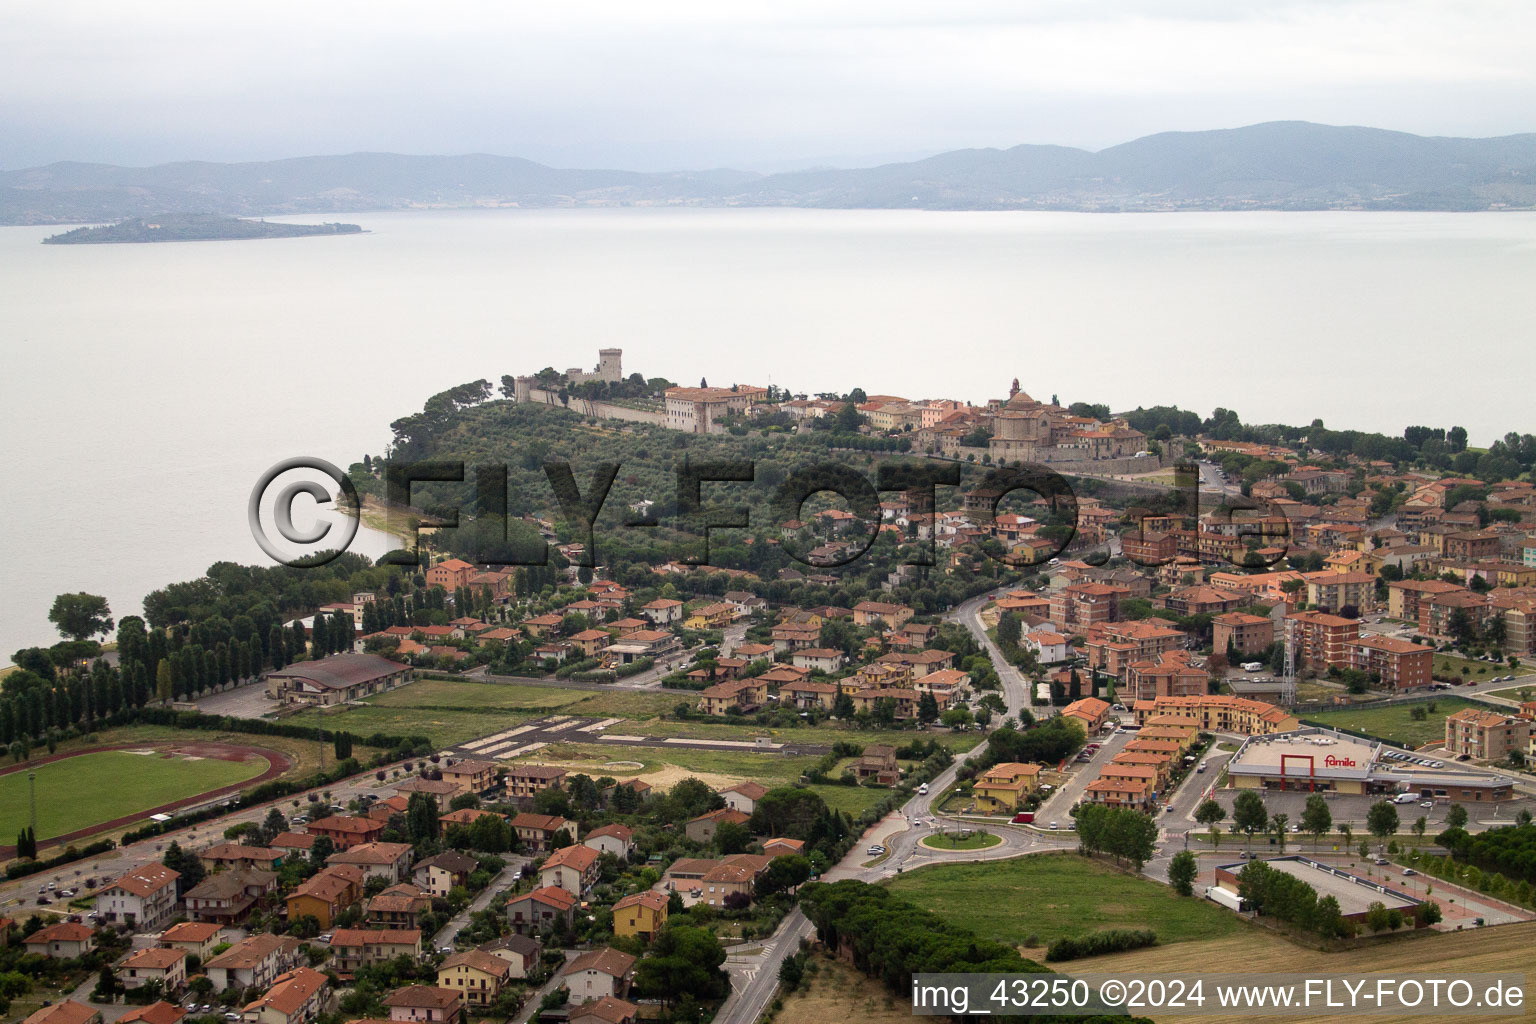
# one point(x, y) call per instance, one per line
point(1048, 896)
point(1394, 722)
point(952, 841)
point(1515, 693)
point(453, 711)
point(664, 767)
point(82, 791)
point(1477, 671)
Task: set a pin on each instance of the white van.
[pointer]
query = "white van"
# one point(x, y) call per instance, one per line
point(923, 789)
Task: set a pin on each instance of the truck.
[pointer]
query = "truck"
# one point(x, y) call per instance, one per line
point(1253, 666)
point(1024, 818)
point(1227, 898)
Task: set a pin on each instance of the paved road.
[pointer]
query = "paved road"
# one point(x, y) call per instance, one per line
point(754, 980)
point(449, 933)
point(1015, 687)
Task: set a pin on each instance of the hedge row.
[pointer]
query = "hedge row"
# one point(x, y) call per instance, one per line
point(1117, 940)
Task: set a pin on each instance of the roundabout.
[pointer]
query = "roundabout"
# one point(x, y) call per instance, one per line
point(960, 840)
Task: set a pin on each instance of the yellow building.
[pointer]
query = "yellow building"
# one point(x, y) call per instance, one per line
point(1003, 787)
point(641, 913)
point(475, 975)
point(1218, 713)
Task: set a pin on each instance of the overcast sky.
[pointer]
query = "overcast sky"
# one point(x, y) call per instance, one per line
point(668, 85)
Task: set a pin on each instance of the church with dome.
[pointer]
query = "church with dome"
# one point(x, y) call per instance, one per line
point(1026, 430)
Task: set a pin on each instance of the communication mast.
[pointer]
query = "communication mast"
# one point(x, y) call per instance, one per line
point(1288, 691)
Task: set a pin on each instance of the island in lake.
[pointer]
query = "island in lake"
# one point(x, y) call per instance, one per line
point(193, 227)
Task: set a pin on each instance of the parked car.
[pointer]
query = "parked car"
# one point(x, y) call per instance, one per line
point(876, 850)
point(1054, 826)
point(1427, 804)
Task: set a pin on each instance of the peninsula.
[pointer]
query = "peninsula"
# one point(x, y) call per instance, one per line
point(193, 227)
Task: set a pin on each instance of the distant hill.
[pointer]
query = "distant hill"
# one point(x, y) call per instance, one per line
point(192, 227)
point(1283, 165)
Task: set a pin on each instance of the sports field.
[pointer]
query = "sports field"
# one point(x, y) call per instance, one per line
point(1048, 896)
point(88, 789)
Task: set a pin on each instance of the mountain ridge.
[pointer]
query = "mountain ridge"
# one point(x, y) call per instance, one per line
point(1276, 165)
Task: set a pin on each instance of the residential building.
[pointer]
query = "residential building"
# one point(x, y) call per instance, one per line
point(603, 1011)
point(352, 948)
point(1217, 713)
point(1003, 787)
point(254, 962)
point(1241, 632)
point(572, 868)
point(618, 840)
point(1091, 712)
point(158, 1012)
point(738, 695)
point(324, 896)
point(399, 906)
point(299, 995)
point(471, 776)
point(597, 974)
point(528, 780)
point(538, 831)
point(1398, 663)
point(237, 855)
point(425, 1004)
point(346, 831)
point(195, 938)
point(881, 613)
point(521, 952)
point(1322, 640)
point(744, 796)
point(642, 913)
point(65, 1011)
point(1332, 591)
point(1118, 793)
point(536, 910)
point(439, 874)
point(389, 861)
point(1112, 646)
point(144, 898)
point(702, 829)
point(229, 896)
point(476, 976)
point(166, 967)
point(1486, 735)
point(1170, 674)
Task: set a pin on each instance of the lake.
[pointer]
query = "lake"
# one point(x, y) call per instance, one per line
point(146, 387)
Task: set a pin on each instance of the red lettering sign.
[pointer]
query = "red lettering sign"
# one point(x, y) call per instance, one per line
point(1338, 762)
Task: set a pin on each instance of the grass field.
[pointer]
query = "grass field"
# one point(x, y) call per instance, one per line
point(81, 791)
point(1520, 692)
point(974, 841)
point(1506, 948)
point(453, 711)
point(1478, 671)
point(663, 768)
point(1048, 896)
point(1394, 722)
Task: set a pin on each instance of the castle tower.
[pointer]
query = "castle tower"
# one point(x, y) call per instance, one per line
point(522, 389)
point(609, 365)
point(1015, 389)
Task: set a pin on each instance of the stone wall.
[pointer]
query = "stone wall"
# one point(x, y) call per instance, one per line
point(600, 410)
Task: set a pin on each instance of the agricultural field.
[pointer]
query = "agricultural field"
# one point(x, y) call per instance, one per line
point(88, 789)
point(1394, 722)
point(1482, 950)
point(1047, 896)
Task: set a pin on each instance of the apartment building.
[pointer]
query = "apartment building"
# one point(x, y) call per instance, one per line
point(1486, 735)
point(1244, 633)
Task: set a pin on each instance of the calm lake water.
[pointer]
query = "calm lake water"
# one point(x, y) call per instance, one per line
point(146, 387)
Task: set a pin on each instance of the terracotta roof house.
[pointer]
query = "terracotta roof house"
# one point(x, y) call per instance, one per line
point(598, 973)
